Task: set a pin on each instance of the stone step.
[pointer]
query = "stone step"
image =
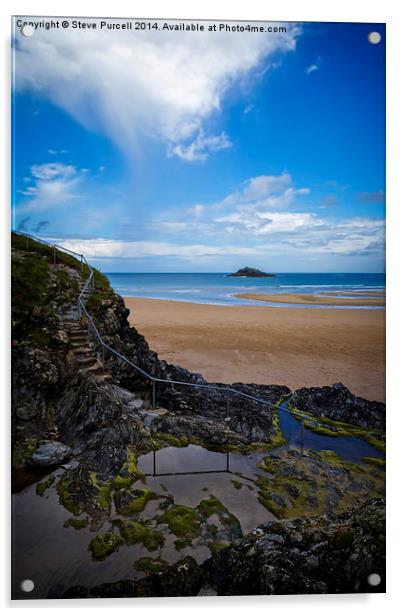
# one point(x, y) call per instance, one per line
point(104, 378)
point(94, 369)
point(71, 318)
point(83, 360)
point(78, 347)
point(79, 341)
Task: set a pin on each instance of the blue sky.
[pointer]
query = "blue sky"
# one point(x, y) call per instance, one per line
point(167, 152)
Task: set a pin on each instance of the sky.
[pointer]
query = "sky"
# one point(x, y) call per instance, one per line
point(161, 151)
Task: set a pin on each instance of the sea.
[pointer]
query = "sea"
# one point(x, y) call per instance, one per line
point(220, 289)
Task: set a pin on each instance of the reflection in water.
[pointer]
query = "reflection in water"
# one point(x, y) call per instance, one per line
point(347, 447)
point(56, 558)
point(190, 460)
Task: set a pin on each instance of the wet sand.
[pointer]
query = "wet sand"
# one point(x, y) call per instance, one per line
point(355, 293)
point(318, 299)
point(297, 347)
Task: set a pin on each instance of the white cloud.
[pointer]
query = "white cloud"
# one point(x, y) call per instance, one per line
point(268, 192)
point(248, 109)
point(53, 184)
point(315, 66)
point(162, 84)
point(269, 223)
point(259, 210)
point(103, 248)
point(311, 69)
point(201, 147)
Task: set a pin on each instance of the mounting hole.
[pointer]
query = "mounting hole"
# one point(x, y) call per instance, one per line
point(27, 30)
point(27, 585)
point(374, 579)
point(374, 38)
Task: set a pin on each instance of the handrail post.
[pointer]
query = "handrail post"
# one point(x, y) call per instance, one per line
point(227, 406)
point(153, 394)
point(302, 437)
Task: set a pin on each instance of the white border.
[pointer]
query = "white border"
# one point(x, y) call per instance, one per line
point(387, 11)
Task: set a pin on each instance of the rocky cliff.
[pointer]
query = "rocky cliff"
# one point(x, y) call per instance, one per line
point(53, 399)
point(75, 406)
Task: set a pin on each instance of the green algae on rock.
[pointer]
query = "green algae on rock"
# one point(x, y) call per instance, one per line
point(76, 523)
point(183, 521)
point(44, 485)
point(137, 532)
point(316, 483)
point(128, 502)
point(104, 544)
point(149, 565)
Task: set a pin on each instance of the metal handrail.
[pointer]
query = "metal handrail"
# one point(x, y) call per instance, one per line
point(154, 379)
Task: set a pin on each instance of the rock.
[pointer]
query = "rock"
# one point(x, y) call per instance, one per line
point(250, 272)
point(339, 404)
point(337, 553)
point(26, 412)
point(50, 453)
point(92, 417)
point(199, 429)
point(183, 579)
point(61, 336)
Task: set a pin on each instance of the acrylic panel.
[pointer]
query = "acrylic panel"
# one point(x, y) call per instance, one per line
point(198, 308)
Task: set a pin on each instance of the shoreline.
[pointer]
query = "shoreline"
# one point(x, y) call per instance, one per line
point(267, 345)
point(314, 299)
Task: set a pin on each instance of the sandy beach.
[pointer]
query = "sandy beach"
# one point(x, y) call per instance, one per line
point(291, 346)
point(287, 298)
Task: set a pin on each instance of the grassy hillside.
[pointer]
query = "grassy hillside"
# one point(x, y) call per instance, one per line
point(39, 288)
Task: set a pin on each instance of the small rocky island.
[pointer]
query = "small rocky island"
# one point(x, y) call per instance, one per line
point(250, 272)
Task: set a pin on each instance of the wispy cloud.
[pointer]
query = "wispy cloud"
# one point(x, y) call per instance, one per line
point(101, 248)
point(314, 66)
point(57, 152)
point(201, 147)
point(169, 94)
point(51, 185)
point(248, 109)
point(377, 197)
